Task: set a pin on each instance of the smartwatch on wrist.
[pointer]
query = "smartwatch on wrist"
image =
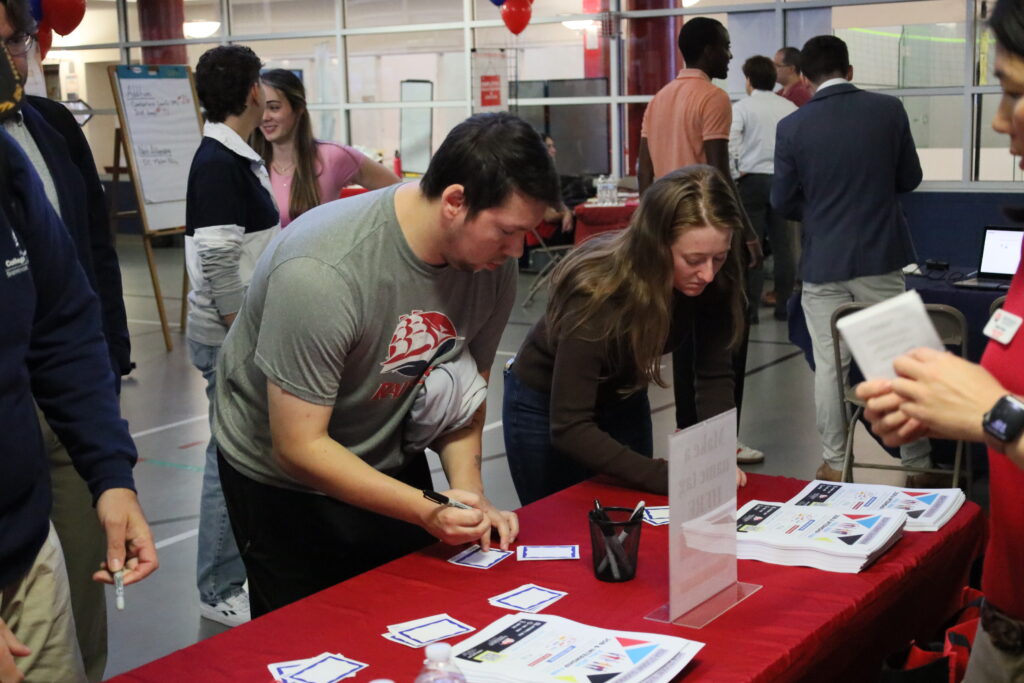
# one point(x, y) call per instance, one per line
point(1004, 423)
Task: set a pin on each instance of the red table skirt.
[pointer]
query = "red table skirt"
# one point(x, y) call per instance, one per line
point(592, 219)
point(803, 625)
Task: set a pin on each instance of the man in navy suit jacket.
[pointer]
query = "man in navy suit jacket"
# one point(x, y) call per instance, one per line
point(840, 162)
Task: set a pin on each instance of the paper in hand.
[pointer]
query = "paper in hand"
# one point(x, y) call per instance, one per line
point(880, 334)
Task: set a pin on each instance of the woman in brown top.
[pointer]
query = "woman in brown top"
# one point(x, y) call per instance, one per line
point(575, 399)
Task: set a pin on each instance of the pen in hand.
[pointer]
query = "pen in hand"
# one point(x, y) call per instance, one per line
point(442, 499)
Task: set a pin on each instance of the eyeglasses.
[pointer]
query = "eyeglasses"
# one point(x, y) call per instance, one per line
point(19, 44)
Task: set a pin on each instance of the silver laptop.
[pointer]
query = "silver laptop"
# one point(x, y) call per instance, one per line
point(1000, 255)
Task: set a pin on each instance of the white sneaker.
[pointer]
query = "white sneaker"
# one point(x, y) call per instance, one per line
point(233, 611)
point(745, 455)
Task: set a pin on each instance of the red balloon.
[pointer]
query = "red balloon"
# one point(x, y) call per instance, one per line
point(45, 37)
point(63, 16)
point(516, 14)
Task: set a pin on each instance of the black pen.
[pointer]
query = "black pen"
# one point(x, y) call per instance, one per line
point(442, 499)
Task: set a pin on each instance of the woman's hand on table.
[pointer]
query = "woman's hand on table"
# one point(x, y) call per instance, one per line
point(741, 478)
point(504, 522)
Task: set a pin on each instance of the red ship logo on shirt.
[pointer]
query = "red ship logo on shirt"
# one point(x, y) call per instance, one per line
point(419, 338)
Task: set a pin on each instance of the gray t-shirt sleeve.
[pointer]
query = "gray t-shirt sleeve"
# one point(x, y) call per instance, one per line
point(484, 345)
point(307, 328)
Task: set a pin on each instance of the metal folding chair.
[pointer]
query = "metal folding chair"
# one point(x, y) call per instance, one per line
point(555, 254)
point(996, 305)
point(952, 328)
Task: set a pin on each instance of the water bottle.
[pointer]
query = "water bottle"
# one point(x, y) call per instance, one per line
point(438, 667)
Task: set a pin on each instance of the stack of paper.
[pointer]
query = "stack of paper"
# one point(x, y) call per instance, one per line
point(527, 598)
point(819, 537)
point(926, 509)
point(538, 648)
point(421, 632)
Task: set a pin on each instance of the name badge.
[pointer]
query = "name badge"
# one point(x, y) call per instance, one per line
point(1002, 326)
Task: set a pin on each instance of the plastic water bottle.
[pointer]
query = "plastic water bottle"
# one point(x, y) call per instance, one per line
point(438, 667)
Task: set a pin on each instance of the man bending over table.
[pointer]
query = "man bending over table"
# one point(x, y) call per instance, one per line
point(347, 311)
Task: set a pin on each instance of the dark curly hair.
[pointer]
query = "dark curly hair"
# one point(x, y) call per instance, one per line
point(224, 76)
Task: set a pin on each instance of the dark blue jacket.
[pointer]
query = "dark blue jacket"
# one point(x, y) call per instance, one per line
point(83, 210)
point(840, 161)
point(51, 348)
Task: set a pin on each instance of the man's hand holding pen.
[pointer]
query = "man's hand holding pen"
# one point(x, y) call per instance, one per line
point(454, 524)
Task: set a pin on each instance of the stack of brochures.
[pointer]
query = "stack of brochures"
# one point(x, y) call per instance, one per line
point(926, 509)
point(538, 648)
point(819, 537)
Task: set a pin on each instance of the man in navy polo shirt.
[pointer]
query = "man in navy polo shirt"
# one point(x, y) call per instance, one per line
point(230, 217)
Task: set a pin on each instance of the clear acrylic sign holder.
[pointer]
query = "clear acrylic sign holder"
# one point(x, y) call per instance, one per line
point(703, 582)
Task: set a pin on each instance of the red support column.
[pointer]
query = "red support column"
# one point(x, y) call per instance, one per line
point(651, 59)
point(162, 20)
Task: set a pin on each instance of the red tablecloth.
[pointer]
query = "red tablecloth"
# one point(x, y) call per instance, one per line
point(592, 219)
point(804, 625)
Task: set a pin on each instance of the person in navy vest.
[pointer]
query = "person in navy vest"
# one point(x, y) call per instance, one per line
point(841, 161)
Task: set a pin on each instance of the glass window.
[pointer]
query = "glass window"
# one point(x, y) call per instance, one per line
point(162, 20)
point(992, 159)
point(99, 25)
point(582, 135)
point(367, 13)
point(485, 9)
point(282, 16)
point(891, 47)
point(937, 123)
point(377, 64)
point(379, 130)
point(552, 52)
point(326, 124)
point(314, 60)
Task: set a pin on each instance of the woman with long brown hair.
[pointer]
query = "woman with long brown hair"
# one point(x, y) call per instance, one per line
point(575, 399)
point(305, 172)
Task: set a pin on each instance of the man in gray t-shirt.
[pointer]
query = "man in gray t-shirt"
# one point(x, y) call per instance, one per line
point(346, 310)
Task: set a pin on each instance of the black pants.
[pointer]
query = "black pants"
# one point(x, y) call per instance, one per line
point(294, 544)
point(755, 191)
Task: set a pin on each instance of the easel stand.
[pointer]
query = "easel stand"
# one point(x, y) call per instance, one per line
point(147, 242)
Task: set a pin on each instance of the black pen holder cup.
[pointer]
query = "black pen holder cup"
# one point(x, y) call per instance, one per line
point(614, 540)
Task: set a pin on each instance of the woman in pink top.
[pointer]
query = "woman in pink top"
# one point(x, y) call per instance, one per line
point(305, 172)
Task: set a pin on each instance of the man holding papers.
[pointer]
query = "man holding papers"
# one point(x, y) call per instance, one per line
point(347, 311)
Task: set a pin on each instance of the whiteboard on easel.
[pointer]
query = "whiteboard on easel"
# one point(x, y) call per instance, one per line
point(162, 130)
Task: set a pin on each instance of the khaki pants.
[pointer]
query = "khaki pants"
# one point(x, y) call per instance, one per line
point(84, 544)
point(37, 608)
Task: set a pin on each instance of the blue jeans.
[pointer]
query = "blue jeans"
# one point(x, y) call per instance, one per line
point(538, 469)
point(219, 569)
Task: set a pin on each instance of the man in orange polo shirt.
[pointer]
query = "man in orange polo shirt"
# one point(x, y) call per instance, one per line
point(686, 123)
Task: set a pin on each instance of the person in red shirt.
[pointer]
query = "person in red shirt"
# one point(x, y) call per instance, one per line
point(787, 67)
point(938, 394)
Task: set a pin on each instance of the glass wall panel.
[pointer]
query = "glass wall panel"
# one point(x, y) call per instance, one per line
point(172, 19)
point(485, 9)
point(283, 16)
point(326, 124)
point(367, 13)
point(377, 64)
point(552, 52)
point(314, 60)
point(905, 44)
point(937, 126)
point(99, 25)
point(992, 160)
point(582, 135)
point(379, 130)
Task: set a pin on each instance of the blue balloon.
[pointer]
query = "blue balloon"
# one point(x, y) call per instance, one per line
point(497, 3)
point(36, 7)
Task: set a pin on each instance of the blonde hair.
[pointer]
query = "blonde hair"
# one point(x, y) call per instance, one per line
point(624, 280)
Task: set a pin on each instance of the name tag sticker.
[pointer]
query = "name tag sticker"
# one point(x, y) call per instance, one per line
point(1002, 326)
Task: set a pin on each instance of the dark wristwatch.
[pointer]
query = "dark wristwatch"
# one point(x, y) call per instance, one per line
point(1005, 422)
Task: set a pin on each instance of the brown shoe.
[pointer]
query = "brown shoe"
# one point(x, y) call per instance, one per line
point(927, 480)
point(768, 299)
point(826, 473)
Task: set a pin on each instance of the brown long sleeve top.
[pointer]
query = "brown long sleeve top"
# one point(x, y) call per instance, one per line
point(578, 377)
